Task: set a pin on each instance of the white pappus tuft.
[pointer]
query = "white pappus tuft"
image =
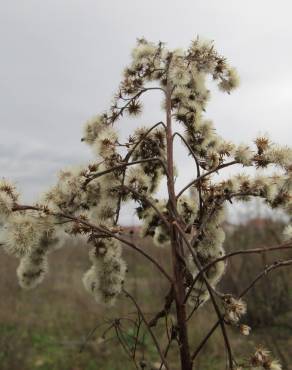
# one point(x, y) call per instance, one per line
point(244, 155)
point(6, 206)
point(21, 234)
point(287, 233)
point(105, 143)
point(104, 280)
point(93, 127)
point(179, 75)
point(31, 270)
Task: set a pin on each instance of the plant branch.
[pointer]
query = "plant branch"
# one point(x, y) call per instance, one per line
point(102, 229)
point(121, 166)
point(287, 245)
point(148, 328)
point(220, 167)
point(148, 201)
point(268, 269)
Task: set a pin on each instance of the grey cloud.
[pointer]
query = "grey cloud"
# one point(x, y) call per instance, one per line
point(61, 62)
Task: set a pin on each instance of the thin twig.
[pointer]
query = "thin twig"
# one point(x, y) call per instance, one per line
point(205, 175)
point(151, 204)
point(121, 166)
point(287, 245)
point(148, 328)
point(268, 269)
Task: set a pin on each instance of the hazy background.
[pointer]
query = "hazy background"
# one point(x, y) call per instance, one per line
point(61, 62)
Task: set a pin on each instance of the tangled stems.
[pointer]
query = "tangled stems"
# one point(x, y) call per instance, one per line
point(262, 274)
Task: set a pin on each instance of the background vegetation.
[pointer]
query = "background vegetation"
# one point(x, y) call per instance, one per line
point(36, 334)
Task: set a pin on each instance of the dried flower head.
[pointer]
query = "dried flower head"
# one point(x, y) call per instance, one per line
point(244, 155)
point(287, 233)
point(244, 329)
point(6, 205)
point(105, 143)
point(105, 278)
point(21, 234)
point(234, 309)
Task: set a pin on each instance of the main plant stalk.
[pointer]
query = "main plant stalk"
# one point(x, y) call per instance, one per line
point(177, 249)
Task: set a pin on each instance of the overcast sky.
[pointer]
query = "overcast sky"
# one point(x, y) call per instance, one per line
point(61, 61)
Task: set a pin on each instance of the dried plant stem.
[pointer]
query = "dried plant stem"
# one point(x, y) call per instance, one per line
point(287, 245)
point(148, 328)
point(262, 274)
point(193, 182)
point(178, 267)
point(210, 290)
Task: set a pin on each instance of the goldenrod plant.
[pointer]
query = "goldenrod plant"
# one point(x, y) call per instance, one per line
point(187, 222)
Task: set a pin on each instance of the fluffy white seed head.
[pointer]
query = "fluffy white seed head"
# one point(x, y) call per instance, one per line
point(234, 309)
point(179, 75)
point(244, 329)
point(244, 155)
point(9, 188)
point(161, 236)
point(188, 207)
point(105, 278)
point(143, 52)
point(275, 365)
point(91, 282)
point(271, 190)
point(6, 205)
point(31, 270)
point(287, 233)
point(105, 143)
point(67, 194)
point(137, 179)
point(92, 128)
point(230, 81)
point(21, 234)
point(281, 156)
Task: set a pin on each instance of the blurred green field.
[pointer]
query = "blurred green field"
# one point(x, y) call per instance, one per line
point(46, 328)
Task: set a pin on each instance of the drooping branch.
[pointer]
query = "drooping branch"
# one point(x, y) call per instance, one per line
point(167, 305)
point(101, 229)
point(190, 150)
